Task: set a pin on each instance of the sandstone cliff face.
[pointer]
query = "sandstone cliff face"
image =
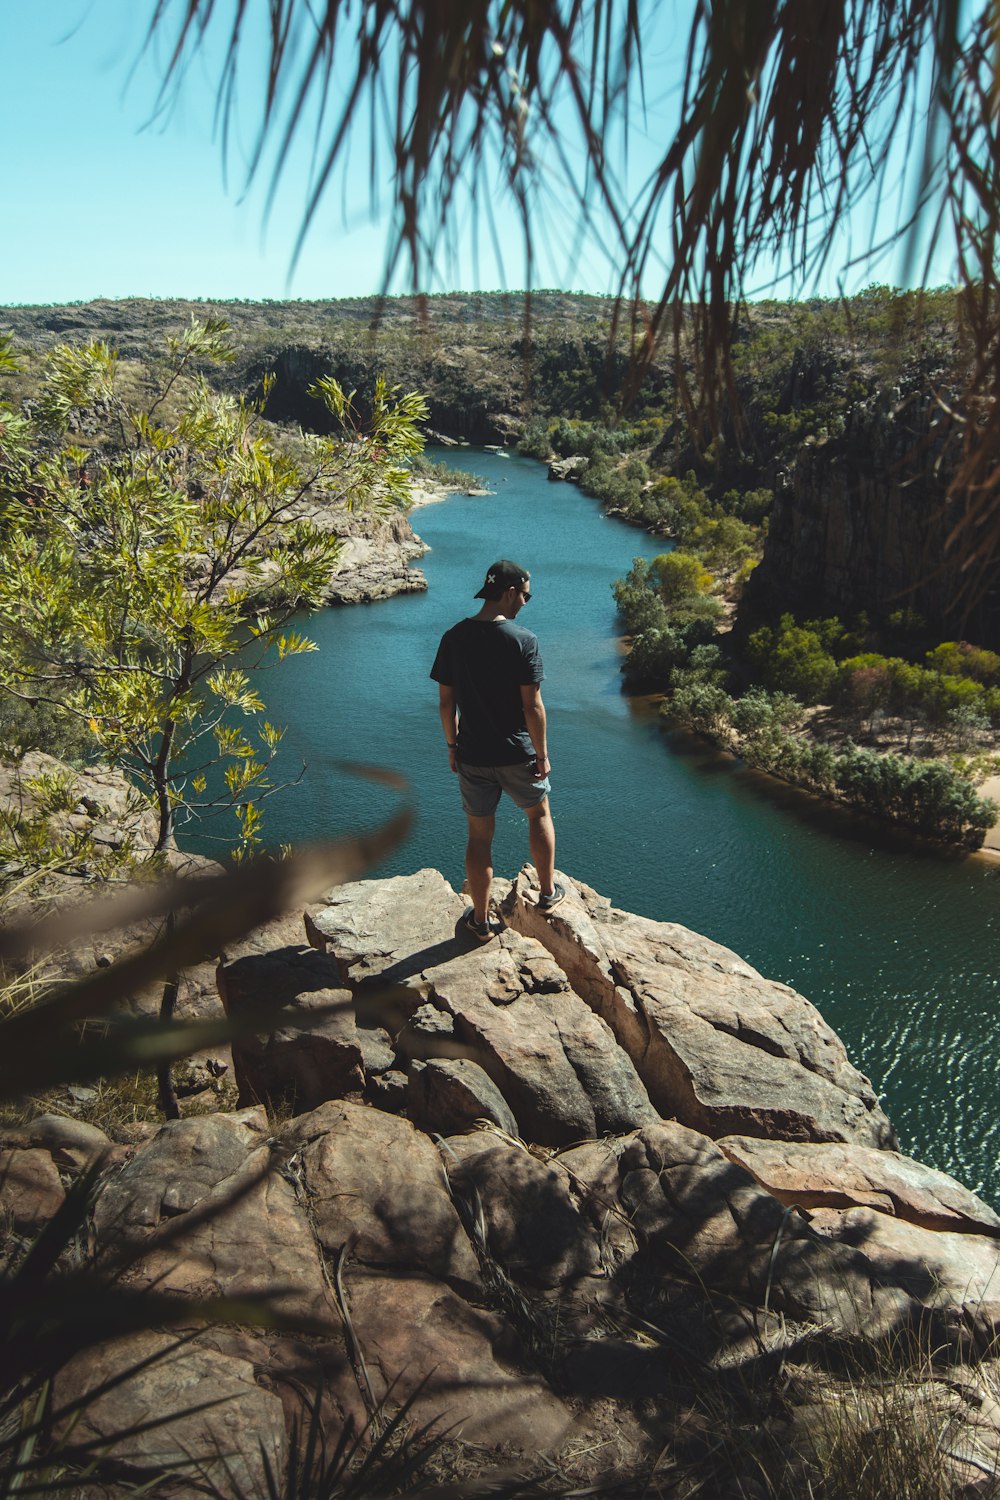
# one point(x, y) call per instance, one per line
point(861, 522)
point(583, 1190)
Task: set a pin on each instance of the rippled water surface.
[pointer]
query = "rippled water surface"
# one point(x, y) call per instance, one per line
point(899, 950)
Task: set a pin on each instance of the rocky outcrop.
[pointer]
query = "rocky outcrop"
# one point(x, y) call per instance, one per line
point(375, 560)
point(861, 523)
point(594, 1187)
point(719, 1047)
point(568, 468)
point(85, 810)
point(507, 1006)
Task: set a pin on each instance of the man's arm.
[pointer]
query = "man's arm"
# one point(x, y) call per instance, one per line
point(534, 721)
point(448, 709)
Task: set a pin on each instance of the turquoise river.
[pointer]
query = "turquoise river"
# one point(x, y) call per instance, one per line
point(898, 949)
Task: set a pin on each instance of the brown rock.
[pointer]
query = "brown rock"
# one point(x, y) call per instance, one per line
point(475, 1372)
point(532, 1225)
point(304, 1063)
point(283, 932)
point(376, 1185)
point(388, 1091)
point(592, 1170)
point(555, 1063)
point(719, 1047)
point(179, 1167)
point(72, 1143)
point(827, 1175)
point(30, 1187)
point(449, 1095)
point(954, 1276)
point(248, 1238)
point(207, 1211)
point(429, 1033)
point(389, 929)
point(705, 1216)
point(223, 1445)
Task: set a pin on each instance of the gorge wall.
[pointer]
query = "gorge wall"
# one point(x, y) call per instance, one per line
point(861, 522)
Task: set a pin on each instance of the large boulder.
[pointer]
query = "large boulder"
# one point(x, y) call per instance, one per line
point(388, 929)
point(175, 1170)
point(834, 1175)
point(466, 1369)
point(204, 1210)
point(703, 1216)
point(316, 1053)
point(73, 1144)
point(31, 1189)
point(153, 1404)
point(450, 1094)
point(719, 1047)
point(526, 1214)
point(954, 1276)
point(505, 1006)
point(377, 1188)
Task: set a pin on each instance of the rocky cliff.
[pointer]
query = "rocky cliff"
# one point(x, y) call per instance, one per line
point(861, 523)
point(596, 1190)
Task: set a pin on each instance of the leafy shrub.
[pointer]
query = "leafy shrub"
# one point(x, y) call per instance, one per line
point(679, 576)
point(700, 706)
point(926, 795)
point(652, 658)
point(959, 659)
point(640, 607)
point(724, 543)
point(758, 711)
point(793, 659)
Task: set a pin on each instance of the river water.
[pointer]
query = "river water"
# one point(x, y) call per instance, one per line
point(898, 949)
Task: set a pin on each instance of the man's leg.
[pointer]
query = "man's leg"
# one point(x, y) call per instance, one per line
point(542, 843)
point(479, 863)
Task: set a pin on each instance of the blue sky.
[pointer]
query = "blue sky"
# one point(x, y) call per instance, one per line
point(102, 200)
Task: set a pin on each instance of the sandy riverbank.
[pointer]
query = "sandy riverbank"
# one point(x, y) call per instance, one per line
point(429, 492)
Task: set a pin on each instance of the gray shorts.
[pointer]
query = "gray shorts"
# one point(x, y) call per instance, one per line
point(482, 785)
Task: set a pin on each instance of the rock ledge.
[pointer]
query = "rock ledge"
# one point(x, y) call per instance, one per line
point(556, 1188)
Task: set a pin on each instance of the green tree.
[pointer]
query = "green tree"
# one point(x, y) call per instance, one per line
point(142, 578)
point(680, 576)
point(959, 659)
point(793, 659)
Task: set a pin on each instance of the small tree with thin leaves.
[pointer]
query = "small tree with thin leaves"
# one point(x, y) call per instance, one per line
point(145, 577)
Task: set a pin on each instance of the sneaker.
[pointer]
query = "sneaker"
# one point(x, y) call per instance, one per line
point(546, 903)
point(481, 931)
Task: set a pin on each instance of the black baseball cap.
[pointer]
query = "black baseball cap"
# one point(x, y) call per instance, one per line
point(502, 576)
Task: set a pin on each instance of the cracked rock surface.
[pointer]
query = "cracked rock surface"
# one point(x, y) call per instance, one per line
point(566, 1191)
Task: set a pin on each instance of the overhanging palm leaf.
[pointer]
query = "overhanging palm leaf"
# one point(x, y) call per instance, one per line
point(791, 111)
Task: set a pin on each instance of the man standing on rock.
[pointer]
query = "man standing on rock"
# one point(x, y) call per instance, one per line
point(489, 673)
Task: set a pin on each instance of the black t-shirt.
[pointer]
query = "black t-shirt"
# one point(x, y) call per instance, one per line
point(487, 662)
